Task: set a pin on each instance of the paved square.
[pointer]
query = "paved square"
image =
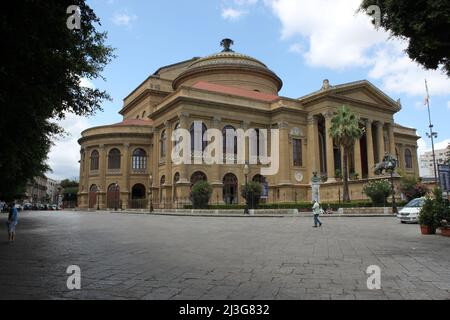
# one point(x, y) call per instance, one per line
point(124, 256)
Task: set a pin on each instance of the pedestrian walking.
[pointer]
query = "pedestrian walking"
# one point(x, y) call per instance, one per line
point(12, 222)
point(316, 212)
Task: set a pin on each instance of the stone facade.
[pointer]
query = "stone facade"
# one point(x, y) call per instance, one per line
point(231, 89)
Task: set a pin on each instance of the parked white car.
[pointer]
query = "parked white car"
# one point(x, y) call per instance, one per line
point(410, 212)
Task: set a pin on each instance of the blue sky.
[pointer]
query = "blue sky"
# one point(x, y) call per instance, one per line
point(303, 41)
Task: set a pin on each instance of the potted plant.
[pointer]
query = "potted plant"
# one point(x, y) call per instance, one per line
point(427, 217)
point(356, 176)
point(252, 194)
point(324, 177)
point(200, 195)
point(445, 228)
point(378, 191)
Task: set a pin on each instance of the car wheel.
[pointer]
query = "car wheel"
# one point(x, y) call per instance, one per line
point(403, 222)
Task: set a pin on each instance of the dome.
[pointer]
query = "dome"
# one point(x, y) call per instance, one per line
point(232, 69)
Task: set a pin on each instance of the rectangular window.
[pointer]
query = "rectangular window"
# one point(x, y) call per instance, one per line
point(297, 152)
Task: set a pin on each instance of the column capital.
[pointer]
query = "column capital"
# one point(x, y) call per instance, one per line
point(183, 115)
point(101, 146)
point(328, 114)
point(311, 119)
point(368, 121)
point(379, 123)
point(283, 125)
point(216, 120)
point(245, 124)
point(126, 145)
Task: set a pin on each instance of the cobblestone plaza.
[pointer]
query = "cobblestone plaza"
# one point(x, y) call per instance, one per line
point(131, 256)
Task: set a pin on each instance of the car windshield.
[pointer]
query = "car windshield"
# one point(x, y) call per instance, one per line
point(415, 203)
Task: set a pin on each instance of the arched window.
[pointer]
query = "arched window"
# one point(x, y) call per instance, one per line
point(230, 189)
point(198, 176)
point(139, 161)
point(114, 159)
point(143, 114)
point(230, 144)
point(94, 160)
point(162, 144)
point(163, 180)
point(408, 159)
point(197, 131)
point(176, 177)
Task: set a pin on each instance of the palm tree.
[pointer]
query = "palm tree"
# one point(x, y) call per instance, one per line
point(345, 129)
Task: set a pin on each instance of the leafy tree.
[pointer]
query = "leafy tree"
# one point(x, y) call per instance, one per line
point(412, 188)
point(43, 62)
point(378, 191)
point(67, 183)
point(200, 194)
point(425, 23)
point(252, 191)
point(345, 129)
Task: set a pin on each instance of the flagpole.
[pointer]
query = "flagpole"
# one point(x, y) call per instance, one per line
point(431, 135)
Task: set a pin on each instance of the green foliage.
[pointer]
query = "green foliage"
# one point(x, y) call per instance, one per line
point(200, 194)
point(303, 206)
point(252, 191)
point(434, 210)
point(425, 23)
point(42, 64)
point(345, 130)
point(67, 183)
point(412, 188)
point(378, 191)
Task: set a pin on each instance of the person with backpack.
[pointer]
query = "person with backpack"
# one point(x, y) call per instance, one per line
point(316, 212)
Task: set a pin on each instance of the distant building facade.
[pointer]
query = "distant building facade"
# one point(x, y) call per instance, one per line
point(42, 190)
point(426, 161)
point(224, 91)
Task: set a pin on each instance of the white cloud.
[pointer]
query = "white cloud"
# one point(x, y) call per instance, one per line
point(233, 10)
point(337, 37)
point(296, 48)
point(124, 19)
point(425, 145)
point(232, 14)
point(65, 153)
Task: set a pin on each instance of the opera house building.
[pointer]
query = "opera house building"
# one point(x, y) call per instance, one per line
point(126, 163)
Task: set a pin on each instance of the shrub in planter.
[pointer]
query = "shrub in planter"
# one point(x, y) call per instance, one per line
point(338, 175)
point(378, 191)
point(412, 188)
point(253, 191)
point(200, 195)
point(427, 217)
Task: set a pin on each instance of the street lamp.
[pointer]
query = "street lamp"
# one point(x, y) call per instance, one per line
point(389, 164)
point(150, 179)
point(246, 172)
point(98, 198)
point(116, 189)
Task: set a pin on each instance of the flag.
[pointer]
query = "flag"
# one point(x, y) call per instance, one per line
point(427, 98)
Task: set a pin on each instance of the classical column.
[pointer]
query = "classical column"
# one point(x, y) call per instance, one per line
point(168, 166)
point(415, 161)
point(103, 163)
point(285, 158)
point(313, 146)
point(329, 147)
point(391, 139)
point(126, 172)
point(369, 144)
point(357, 156)
point(183, 120)
point(380, 140)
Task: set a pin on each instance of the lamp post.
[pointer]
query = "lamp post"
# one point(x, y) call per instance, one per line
point(116, 189)
point(98, 198)
point(389, 164)
point(246, 172)
point(150, 179)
